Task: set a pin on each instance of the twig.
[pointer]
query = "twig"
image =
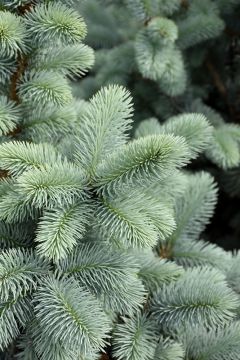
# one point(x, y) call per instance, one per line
point(22, 60)
point(25, 8)
point(105, 357)
point(4, 174)
point(165, 252)
point(22, 65)
point(216, 78)
point(13, 95)
point(220, 86)
point(185, 4)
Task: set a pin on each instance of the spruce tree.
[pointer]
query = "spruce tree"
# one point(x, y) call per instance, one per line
point(101, 251)
point(176, 57)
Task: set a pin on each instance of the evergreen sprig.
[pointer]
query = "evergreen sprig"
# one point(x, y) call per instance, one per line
point(100, 220)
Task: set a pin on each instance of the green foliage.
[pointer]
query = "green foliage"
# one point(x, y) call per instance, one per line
point(135, 339)
point(170, 55)
point(233, 273)
point(55, 22)
point(13, 34)
point(100, 219)
point(142, 162)
point(155, 273)
point(7, 68)
point(72, 60)
point(197, 28)
point(196, 304)
point(191, 219)
point(58, 183)
point(225, 149)
point(145, 9)
point(14, 235)
point(189, 253)
point(49, 122)
point(13, 314)
point(44, 88)
point(60, 228)
point(9, 116)
point(14, 207)
point(126, 222)
point(17, 157)
point(110, 274)
point(20, 272)
point(68, 314)
point(219, 344)
point(168, 349)
point(105, 122)
point(193, 127)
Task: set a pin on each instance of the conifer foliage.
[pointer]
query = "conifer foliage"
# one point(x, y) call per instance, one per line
point(101, 256)
point(173, 55)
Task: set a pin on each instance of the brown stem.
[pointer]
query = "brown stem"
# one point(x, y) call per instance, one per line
point(105, 357)
point(21, 67)
point(4, 174)
point(216, 78)
point(22, 63)
point(25, 8)
point(22, 60)
point(185, 4)
point(147, 21)
point(220, 86)
point(165, 252)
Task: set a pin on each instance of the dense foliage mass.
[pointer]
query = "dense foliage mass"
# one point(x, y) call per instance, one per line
point(101, 248)
point(176, 57)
